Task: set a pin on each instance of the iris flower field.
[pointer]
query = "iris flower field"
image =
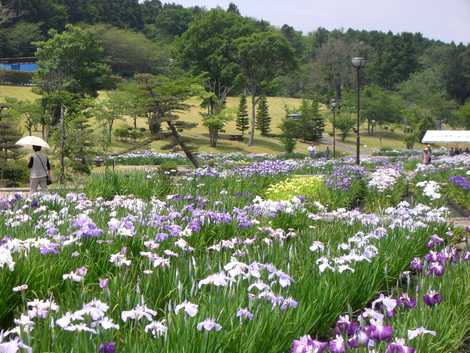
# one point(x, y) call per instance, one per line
point(256, 255)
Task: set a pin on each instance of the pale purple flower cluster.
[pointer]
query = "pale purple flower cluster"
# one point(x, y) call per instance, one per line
point(343, 176)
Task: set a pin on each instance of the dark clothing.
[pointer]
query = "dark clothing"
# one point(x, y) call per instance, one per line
point(31, 161)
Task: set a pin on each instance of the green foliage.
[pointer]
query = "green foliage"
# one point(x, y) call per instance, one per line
point(15, 77)
point(290, 129)
point(15, 173)
point(312, 124)
point(216, 122)
point(128, 52)
point(163, 97)
point(20, 38)
point(344, 122)
point(140, 184)
point(242, 121)
point(209, 47)
point(463, 115)
point(263, 57)
point(263, 119)
point(379, 107)
point(71, 61)
point(9, 134)
point(169, 167)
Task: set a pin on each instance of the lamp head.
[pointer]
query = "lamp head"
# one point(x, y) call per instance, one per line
point(358, 62)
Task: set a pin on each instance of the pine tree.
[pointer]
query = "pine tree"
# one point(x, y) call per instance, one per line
point(312, 121)
point(242, 121)
point(263, 120)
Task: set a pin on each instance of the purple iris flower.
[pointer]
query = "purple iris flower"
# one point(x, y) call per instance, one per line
point(308, 345)
point(345, 326)
point(407, 301)
point(34, 203)
point(337, 345)
point(49, 249)
point(466, 256)
point(436, 269)
point(398, 347)
point(435, 241)
point(417, 264)
point(108, 347)
point(381, 333)
point(432, 298)
point(432, 257)
point(360, 339)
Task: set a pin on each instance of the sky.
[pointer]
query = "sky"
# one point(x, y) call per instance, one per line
point(446, 20)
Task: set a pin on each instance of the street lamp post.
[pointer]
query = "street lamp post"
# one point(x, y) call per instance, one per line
point(358, 63)
point(334, 104)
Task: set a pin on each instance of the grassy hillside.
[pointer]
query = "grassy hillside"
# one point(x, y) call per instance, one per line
point(199, 134)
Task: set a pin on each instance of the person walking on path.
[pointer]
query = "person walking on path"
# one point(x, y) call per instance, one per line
point(426, 156)
point(40, 170)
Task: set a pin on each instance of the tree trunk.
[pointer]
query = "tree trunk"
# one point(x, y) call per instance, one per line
point(213, 136)
point(110, 131)
point(135, 122)
point(183, 146)
point(368, 127)
point(251, 141)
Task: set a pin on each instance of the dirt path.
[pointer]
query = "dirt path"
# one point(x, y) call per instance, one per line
point(328, 140)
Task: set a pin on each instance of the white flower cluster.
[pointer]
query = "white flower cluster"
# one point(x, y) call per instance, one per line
point(431, 189)
point(384, 178)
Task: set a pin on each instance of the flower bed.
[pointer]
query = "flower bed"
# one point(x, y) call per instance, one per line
point(204, 264)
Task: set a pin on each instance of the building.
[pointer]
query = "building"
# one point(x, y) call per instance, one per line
point(27, 64)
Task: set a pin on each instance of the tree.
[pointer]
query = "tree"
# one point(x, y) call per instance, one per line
point(289, 130)
point(172, 21)
point(344, 122)
point(312, 124)
point(163, 97)
point(80, 144)
point(457, 75)
point(425, 90)
point(379, 107)
point(208, 47)
point(332, 64)
point(71, 61)
point(263, 57)
point(216, 122)
point(128, 52)
point(108, 110)
point(9, 134)
point(233, 8)
point(242, 122)
point(463, 115)
point(31, 113)
point(20, 39)
point(263, 120)
point(70, 68)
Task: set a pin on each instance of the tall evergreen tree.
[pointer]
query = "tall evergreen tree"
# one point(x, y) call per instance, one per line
point(263, 120)
point(242, 121)
point(312, 122)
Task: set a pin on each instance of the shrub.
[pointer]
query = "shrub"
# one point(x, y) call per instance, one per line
point(16, 77)
point(168, 167)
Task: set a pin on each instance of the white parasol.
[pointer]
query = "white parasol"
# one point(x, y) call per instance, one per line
point(32, 141)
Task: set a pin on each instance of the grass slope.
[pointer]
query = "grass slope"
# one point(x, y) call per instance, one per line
point(199, 134)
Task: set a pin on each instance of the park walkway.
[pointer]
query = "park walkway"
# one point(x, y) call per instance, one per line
point(328, 140)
